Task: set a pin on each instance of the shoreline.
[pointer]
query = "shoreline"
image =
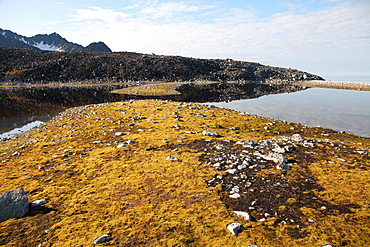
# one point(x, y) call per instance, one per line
point(360, 86)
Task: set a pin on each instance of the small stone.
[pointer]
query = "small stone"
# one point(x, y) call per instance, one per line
point(234, 228)
point(210, 133)
point(276, 157)
point(241, 167)
point(119, 134)
point(122, 145)
point(220, 147)
point(38, 203)
point(232, 171)
point(130, 142)
point(173, 158)
point(246, 216)
point(101, 239)
point(297, 138)
point(235, 195)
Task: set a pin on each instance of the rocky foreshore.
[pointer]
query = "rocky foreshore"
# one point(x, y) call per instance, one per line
point(152, 173)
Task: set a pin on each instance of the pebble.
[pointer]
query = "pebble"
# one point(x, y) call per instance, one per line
point(173, 158)
point(245, 215)
point(38, 203)
point(235, 195)
point(210, 133)
point(101, 239)
point(297, 138)
point(232, 171)
point(119, 134)
point(234, 228)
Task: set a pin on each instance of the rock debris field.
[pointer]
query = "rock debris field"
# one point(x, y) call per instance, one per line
point(162, 173)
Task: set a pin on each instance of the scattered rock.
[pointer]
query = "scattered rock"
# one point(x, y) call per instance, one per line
point(232, 171)
point(101, 239)
point(210, 133)
point(173, 158)
point(119, 134)
point(297, 138)
point(13, 204)
point(246, 216)
point(122, 145)
point(234, 228)
point(38, 203)
point(235, 195)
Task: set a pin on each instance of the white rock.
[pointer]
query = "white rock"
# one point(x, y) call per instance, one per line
point(101, 239)
point(234, 228)
point(221, 147)
point(245, 215)
point(210, 133)
point(130, 142)
point(276, 157)
point(172, 158)
point(38, 203)
point(297, 138)
point(241, 167)
point(235, 195)
point(232, 171)
point(119, 134)
point(122, 145)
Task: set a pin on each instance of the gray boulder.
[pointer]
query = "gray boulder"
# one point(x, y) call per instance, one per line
point(210, 133)
point(13, 204)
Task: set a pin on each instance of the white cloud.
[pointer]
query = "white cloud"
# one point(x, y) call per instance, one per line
point(320, 41)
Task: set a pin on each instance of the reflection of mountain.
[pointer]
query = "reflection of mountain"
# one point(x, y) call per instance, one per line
point(48, 42)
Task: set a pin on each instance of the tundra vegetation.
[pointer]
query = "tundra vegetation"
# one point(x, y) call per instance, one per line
point(162, 173)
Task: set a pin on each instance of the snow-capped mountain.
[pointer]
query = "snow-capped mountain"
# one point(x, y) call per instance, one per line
point(48, 42)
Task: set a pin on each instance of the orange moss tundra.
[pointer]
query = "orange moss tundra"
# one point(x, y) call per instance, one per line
point(131, 192)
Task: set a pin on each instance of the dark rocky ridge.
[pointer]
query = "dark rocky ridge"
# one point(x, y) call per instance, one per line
point(35, 66)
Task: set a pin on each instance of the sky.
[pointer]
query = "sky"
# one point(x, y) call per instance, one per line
point(330, 38)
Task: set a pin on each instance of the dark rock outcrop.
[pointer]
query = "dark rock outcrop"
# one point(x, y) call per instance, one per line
point(34, 66)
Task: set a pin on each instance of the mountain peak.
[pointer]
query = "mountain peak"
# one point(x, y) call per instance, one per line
point(50, 42)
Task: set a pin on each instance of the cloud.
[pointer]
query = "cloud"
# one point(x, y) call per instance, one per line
point(309, 40)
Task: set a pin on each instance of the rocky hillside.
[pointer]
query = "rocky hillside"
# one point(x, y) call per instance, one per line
point(35, 66)
point(50, 42)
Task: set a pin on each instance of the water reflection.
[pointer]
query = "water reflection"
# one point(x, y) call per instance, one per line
point(24, 128)
point(346, 110)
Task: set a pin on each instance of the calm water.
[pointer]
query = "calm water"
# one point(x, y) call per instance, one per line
point(347, 110)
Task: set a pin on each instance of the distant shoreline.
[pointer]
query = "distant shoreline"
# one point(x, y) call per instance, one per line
point(360, 86)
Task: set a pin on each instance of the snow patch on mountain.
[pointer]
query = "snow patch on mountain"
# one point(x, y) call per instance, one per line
point(47, 47)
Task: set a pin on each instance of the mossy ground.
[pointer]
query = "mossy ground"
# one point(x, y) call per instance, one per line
point(141, 199)
point(151, 89)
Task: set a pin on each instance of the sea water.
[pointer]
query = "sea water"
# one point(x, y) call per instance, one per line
point(337, 109)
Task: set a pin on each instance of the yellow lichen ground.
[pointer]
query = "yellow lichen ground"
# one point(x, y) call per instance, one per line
point(141, 199)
